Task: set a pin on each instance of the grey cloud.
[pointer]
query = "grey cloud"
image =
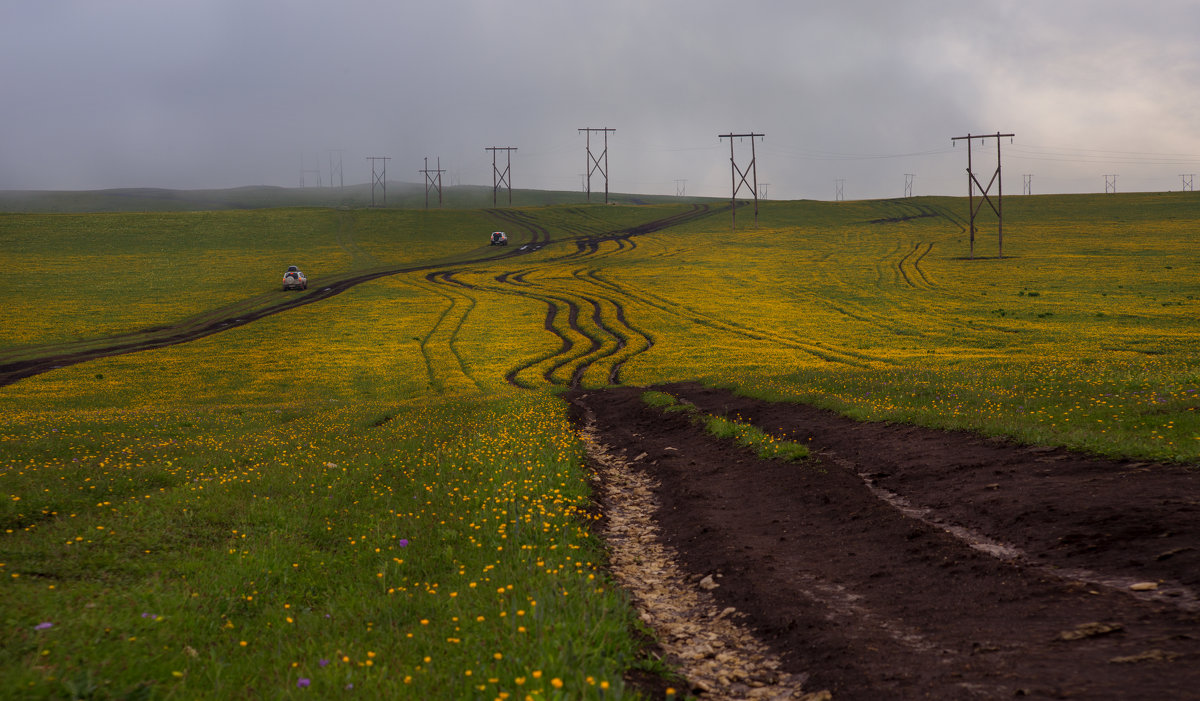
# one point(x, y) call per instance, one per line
point(228, 92)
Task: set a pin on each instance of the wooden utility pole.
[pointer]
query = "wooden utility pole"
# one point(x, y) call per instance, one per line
point(378, 177)
point(751, 172)
point(430, 180)
point(336, 169)
point(593, 162)
point(501, 178)
point(304, 171)
point(973, 182)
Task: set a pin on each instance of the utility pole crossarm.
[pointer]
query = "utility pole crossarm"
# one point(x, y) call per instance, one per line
point(982, 136)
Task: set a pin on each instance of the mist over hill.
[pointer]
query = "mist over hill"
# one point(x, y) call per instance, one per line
point(397, 195)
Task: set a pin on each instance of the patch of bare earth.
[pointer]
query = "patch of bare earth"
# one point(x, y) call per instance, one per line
point(700, 639)
point(899, 562)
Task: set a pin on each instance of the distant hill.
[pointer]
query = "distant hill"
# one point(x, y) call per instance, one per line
point(398, 195)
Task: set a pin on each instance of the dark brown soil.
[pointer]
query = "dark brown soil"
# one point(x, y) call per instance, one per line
point(908, 563)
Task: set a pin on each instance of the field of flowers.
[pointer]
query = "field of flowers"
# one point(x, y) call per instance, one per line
point(380, 492)
point(404, 550)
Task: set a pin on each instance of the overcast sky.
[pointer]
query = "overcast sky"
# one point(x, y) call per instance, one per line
point(222, 93)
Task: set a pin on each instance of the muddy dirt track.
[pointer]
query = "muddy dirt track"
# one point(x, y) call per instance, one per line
point(907, 563)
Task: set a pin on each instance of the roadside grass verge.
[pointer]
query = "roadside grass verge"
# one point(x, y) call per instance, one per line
point(1127, 407)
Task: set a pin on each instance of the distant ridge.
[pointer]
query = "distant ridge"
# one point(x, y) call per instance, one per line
point(399, 196)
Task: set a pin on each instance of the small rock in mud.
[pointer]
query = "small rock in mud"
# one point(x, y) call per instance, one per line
point(1090, 630)
point(1154, 655)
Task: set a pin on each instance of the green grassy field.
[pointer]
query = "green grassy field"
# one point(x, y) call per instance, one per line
point(380, 491)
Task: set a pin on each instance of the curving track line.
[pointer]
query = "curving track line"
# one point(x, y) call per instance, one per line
point(645, 343)
point(448, 325)
point(917, 265)
point(880, 265)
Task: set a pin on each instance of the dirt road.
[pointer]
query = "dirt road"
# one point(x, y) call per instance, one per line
point(906, 563)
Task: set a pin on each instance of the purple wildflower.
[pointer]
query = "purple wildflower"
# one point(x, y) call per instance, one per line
point(302, 682)
point(404, 542)
point(322, 661)
point(43, 625)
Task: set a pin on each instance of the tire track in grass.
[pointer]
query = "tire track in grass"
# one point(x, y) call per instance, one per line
point(435, 380)
point(872, 318)
point(423, 342)
point(900, 267)
point(614, 377)
point(581, 346)
point(917, 265)
point(590, 246)
point(620, 341)
point(882, 262)
point(946, 214)
point(819, 350)
point(514, 283)
point(909, 211)
point(513, 375)
point(822, 351)
point(594, 344)
point(831, 291)
point(916, 254)
point(647, 342)
point(446, 278)
point(621, 332)
point(556, 301)
point(565, 306)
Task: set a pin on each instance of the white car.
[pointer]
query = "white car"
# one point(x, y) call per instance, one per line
point(293, 279)
point(499, 238)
